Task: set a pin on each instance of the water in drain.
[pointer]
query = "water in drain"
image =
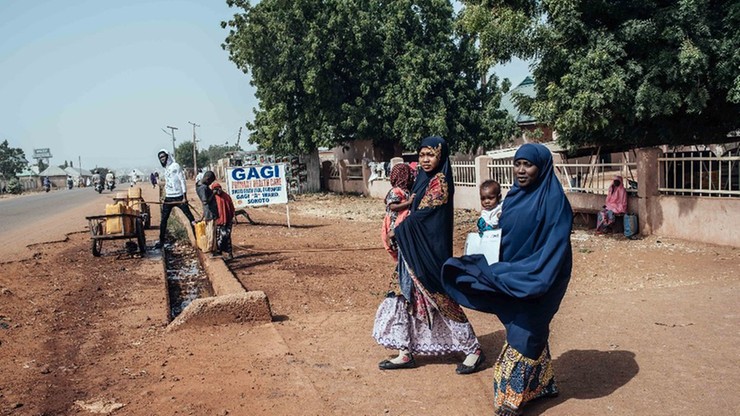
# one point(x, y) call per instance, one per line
point(186, 280)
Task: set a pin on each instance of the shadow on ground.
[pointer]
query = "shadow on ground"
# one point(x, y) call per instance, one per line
point(580, 374)
point(588, 374)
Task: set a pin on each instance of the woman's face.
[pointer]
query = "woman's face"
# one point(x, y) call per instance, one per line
point(428, 159)
point(525, 172)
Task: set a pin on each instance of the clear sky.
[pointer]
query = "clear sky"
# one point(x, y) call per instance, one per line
point(100, 79)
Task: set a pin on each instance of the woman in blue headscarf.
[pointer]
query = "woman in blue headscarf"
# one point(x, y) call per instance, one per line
point(525, 287)
point(419, 318)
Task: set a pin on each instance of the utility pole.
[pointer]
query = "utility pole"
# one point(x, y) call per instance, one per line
point(195, 150)
point(172, 130)
point(238, 137)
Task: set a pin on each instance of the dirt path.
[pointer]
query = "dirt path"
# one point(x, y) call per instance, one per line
point(647, 327)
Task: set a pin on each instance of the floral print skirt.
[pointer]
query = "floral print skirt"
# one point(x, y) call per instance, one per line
point(518, 379)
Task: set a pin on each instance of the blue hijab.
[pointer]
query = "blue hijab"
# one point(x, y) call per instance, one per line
point(525, 288)
point(425, 236)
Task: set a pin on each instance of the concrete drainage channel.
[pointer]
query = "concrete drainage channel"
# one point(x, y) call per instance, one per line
point(186, 279)
point(219, 298)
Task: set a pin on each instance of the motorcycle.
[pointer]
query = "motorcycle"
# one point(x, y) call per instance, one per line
point(47, 187)
point(99, 187)
point(110, 185)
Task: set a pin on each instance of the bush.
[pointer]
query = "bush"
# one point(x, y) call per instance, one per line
point(14, 186)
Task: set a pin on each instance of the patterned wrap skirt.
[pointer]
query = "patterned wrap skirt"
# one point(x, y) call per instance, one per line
point(518, 379)
point(430, 324)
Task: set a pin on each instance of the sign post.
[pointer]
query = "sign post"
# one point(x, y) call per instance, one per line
point(258, 185)
point(42, 154)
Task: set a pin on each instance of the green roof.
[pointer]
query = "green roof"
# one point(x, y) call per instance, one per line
point(526, 88)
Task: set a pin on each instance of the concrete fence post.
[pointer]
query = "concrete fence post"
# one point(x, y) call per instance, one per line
point(395, 161)
point(648, 182)
point(343, 174)
point(481, 170)
point(365, 177)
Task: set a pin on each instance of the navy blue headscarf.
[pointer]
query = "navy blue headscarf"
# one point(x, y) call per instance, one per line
point(425, 236)
point(525, 288)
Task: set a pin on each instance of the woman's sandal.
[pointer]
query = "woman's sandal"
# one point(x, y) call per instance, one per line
point(390, 365)
point(507, 411)
point(470, 369)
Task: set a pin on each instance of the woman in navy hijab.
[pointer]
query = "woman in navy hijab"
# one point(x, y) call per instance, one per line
point(525, 287)
point(419, 318)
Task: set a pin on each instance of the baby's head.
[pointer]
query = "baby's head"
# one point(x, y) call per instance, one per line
point(490, 194)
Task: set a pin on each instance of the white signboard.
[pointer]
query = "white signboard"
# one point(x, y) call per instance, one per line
point(42, 153)
point(257, 185)
point(488, 244)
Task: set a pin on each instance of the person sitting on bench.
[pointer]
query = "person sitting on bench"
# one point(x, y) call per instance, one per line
point(616, 204)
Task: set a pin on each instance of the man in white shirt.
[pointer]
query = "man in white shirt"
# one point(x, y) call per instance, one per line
point(175, 190)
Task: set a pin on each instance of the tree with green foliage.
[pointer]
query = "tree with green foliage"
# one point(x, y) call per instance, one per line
point(216, 152)
point(12, 160)
point(626, 73)
point(184, 156)
point(14, 186)
point(331, 71)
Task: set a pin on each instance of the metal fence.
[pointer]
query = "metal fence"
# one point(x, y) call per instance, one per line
point(464, 173)
point(595, 178)
point(700, 174)
point(354, 171)
point(334, 172)
point(502, 171)
point(681, 173)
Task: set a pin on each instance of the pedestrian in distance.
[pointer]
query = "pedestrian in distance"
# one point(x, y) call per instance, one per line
point(524, 289)
point(225, 220)
point(210, 209)
point(175, 194)
point(153, 179)
point(418, 317)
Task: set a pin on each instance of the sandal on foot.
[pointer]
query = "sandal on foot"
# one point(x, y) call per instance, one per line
point(470, 369)
point(507, 411)
point(390, 365)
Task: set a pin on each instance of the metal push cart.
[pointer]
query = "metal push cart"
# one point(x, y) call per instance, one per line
point(132, 227)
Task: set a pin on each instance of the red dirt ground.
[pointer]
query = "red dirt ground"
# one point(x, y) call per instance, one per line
point(647, 327)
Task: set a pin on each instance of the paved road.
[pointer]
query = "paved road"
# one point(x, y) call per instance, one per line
point(44, 217)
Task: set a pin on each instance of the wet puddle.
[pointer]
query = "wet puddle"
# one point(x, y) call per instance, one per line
point(186, 280)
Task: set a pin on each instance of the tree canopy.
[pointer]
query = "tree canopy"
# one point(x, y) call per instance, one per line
point(331, 71)
point(206, 156)
point(215, 152)
point(184, 156)
point(631, 72)
point(12, 160)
